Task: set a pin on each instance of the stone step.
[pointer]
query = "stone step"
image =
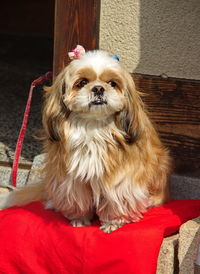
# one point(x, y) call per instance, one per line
point(168, 257)
point(5, 176)
point(188, 242)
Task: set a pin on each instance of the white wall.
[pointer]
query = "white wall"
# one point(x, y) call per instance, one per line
point(153, 36)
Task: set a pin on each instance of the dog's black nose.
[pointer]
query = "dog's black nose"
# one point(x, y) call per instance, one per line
point(98, 90)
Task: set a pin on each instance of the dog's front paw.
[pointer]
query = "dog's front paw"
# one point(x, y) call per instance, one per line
point(107, 228)
point(49, 204)
point(80, 222)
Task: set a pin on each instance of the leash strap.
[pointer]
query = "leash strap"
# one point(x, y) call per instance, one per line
point(47, 76)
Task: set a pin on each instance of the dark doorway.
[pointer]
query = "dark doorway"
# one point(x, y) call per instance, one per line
point(26, 52)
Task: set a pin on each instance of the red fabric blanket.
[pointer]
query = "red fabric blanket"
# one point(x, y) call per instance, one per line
point(34, 240)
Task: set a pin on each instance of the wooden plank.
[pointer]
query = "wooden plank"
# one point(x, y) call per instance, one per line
point(21, 165)
point(174, 106)
point(76, 22)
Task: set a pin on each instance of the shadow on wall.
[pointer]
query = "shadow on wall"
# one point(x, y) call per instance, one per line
point(169, 38)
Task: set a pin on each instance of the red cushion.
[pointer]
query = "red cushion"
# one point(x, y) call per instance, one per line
point(35, 240)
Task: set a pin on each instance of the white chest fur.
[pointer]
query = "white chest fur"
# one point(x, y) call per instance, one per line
point(88, 147)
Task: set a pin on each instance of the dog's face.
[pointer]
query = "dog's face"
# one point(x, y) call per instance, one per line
point(94, 85)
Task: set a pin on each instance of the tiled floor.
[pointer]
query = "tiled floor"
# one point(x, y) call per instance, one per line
point(22, 59)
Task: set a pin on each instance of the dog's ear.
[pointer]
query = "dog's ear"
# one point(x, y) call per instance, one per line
point(55, 111)
point(131, 118)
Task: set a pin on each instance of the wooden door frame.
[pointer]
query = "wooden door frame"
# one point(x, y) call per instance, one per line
point(76, 22)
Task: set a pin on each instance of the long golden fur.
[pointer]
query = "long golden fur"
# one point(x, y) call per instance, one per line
point(103, 154)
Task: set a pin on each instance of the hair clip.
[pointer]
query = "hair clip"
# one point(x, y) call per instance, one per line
point(77, 52)
point(116, 57)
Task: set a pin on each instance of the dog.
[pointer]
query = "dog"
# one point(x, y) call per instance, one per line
point(103, 155)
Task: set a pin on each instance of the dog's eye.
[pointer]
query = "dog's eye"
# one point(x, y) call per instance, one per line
point(82, 83)
point(112, 83)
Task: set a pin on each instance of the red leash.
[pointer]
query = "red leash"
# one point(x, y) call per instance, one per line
point(47, 76)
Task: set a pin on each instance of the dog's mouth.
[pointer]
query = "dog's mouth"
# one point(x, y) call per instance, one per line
point(98, 101)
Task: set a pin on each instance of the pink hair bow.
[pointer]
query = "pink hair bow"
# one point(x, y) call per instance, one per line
point(77, 52)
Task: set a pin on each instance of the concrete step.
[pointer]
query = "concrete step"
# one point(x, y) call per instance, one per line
point(5, 176)
point(168, 256)
point(189, 240)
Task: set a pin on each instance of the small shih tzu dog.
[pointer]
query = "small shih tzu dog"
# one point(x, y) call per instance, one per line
point(103, 155)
